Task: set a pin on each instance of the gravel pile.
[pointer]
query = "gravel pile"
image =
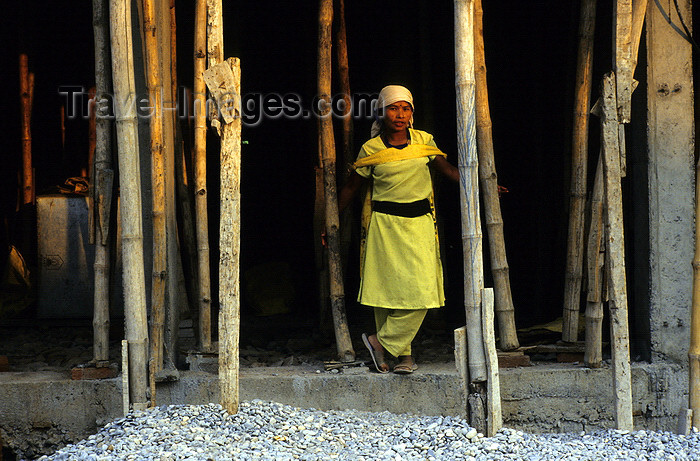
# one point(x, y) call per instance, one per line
point(271, 431)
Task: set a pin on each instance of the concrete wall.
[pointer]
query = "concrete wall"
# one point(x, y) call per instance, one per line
point(671, 182)
point(40, 412)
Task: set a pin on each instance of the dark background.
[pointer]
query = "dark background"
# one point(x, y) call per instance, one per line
point(531, 59)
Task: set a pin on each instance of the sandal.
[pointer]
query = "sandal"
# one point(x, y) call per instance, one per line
point(405, 369)
point(377, 356)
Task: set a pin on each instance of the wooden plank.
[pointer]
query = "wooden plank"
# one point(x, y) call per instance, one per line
point(494, 417)
point(622, 53)
point(615, 245)
point(593, 356)
point(229, 251)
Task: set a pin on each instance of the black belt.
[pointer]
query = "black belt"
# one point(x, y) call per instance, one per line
point(406, 210)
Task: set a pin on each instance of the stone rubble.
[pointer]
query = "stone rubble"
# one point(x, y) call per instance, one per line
point(272, 431)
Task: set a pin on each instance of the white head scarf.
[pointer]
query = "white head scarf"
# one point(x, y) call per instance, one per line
point(389, 95)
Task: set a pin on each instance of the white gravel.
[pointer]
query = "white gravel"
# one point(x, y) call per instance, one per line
point(272, 431)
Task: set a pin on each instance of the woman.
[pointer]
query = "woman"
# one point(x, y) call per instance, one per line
point(401, 272)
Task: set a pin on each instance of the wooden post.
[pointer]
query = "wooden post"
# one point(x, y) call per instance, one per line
point(154, 82)
point(469, 185)
point(200, 176)
point(579, 173)
point(342, 332)
point(489, 187)
point(102, 180)
point(125, 377)
point(615, 245)
point(226, 77)
point(593, 355)
point(129, 175)
point(494, 417)
point(622, 52)
point(26, 90)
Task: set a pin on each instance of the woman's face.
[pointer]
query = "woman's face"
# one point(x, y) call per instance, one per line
point(397, 116)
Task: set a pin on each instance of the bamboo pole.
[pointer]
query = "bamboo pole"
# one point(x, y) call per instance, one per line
point(182, 182)
point(593, 355)
point(346, 219)
point(227, 77)
point(615, 246)
point(694, 350)
point(215, 48)
point(90, 173)
point(154, 82)
point(103, 180)
point(469, 185)
point(175, 285)
point(340, 324)
point(26, 85)
point(200, 176)
point(579, 173)
point(344, 78)
point(129, 175)
point(489, 187)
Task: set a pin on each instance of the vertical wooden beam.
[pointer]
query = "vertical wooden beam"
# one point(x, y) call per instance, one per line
point(489, 187)
point(102, 179)
point(622, 52)
point(579, 172)
point(136, 325)
point(346, 352)
point(494, 417)
point(227, 76)
point(615, 245)
point(593, 355)
point(469, 185)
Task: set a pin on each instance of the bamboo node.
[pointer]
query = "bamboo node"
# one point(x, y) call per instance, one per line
point(201, 192)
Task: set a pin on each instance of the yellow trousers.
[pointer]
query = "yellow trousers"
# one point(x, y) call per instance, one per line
point(396, 328)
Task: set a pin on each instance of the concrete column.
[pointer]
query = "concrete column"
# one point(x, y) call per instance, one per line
point(671, 180)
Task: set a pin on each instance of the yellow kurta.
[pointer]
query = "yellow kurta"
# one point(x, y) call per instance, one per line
point(401, 267)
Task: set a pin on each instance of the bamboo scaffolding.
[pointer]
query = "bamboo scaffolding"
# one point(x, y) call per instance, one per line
point(489, 187)
point(200, 176)
point(694, 350)
point(615, 252)
point(26, 85)
point(131, 227)
point(154, 82)
point(469, 185)
point(227, 77)
point(593, 355)
point(345, 350)
point(103, 181)
point(579, 173)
